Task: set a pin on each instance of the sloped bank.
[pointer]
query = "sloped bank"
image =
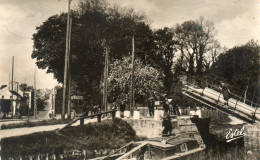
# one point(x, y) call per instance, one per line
point(78, 141)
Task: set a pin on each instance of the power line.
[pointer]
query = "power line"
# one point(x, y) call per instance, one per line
point(15, 33)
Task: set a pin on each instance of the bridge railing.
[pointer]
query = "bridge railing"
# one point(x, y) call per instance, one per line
point(215, 84)
point(235, 92)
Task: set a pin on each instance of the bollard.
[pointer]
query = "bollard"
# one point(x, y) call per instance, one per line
point(99, 118)
point(113, 114)
point(118, 114)
point(136, 115)
point(82, 121)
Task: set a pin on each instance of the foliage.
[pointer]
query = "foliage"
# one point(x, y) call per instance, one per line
point(165, 48)
point(58, 99)
point(147, 81)
point(195, 40)
point(240, 67)
point(42, 97)
point(94, 24)
point(107, 134)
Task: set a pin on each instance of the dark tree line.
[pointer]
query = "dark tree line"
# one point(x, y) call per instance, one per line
point(189, 47)
point(239, 66)
point(94, 24)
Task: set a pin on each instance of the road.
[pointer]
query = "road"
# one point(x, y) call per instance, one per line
point(28, 130)
point(42, 115)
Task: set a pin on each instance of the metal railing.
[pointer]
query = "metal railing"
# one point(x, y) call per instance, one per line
point(81, 118)
point(215, 85)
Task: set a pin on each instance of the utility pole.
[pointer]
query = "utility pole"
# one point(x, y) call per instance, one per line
point(12, 107)
point(69, 72)
point(35, 97)
point(9, 82)
point(132, 78)
point(105, 79)
point(66, 64)
point(54, 98)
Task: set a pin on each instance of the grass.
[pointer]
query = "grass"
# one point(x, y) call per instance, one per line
point(33, 124)
point(110, 134)
point(233, 153)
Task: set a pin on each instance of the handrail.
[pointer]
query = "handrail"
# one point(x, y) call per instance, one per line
point(84, 117)
point(210, 102)
point(255, 111)
point(212, 85)
point(128, 144)
point(132, 151)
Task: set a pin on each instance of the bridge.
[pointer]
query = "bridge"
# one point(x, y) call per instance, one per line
point(208, 93)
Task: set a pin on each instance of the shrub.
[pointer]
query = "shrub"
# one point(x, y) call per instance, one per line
point(109, 134)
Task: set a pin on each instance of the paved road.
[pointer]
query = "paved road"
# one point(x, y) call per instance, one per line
point(28, 130)
point(47, 109)
point(42, 115)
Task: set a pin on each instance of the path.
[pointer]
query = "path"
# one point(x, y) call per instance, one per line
point(28, 130)
point(44, 114)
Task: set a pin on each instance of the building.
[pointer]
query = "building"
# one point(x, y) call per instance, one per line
point(13, 102)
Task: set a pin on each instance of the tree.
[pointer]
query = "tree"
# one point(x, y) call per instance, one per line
point(183, 34)
point(212, 56)
point(195, 39)
point(204, 41)
point(94, 24)
point(42, 97)
point(148, 81)
point(58, 100)
point(240, 67)
point(165, 51)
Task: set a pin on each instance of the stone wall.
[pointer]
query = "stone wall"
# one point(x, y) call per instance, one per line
point(149, 127)
point(252, 137)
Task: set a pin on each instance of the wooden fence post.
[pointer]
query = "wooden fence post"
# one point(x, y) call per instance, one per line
point(99, 118)
point(82, 121)
point(113, 114)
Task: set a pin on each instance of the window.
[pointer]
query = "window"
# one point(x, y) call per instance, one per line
point(184, 147)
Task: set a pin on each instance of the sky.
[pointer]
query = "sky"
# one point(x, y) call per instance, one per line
point(236, 22)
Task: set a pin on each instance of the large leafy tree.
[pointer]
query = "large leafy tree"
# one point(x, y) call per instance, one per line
point(94, 23)
point(148, 81)
point(165, 48)
point(196, 39)
point(240, 67)
point(183, 33)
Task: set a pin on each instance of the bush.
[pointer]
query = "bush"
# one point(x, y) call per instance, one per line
point(109, 134)
point(33, 124)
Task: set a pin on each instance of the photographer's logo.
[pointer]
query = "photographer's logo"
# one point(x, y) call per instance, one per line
point(235, 134)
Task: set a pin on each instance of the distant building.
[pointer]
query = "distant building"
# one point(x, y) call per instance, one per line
point(14, 101)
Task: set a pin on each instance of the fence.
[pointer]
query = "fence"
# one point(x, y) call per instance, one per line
point(214, 84)
point(98, 115)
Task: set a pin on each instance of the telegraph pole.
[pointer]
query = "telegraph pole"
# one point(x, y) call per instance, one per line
point(9, 82)
point(54, 98)
point(105, 79)
point(12, 108)
point(35, 97)
point(69, 72)
point(66, 63)
point(132, 77)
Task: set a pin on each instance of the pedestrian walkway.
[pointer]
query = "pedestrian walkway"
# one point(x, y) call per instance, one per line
point(215, 100)
point(29, 130)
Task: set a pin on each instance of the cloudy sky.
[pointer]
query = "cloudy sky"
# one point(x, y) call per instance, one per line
point(237, 21)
